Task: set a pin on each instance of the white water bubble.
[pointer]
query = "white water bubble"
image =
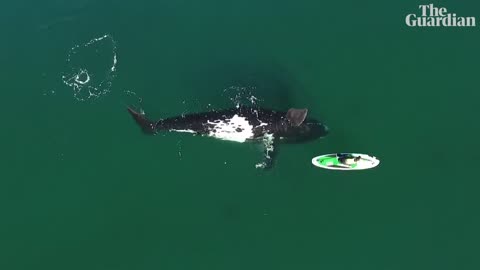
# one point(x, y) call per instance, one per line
point(137, 99)
point(179, 145)
point(83, 77)
point(241, 95)
point(261, 165)
point(91, 68)
point(50, 92)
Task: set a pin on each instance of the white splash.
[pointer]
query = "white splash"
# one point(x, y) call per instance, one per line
point(253, 99)
point(268, 141)
point(236, 129)
point(261, 165)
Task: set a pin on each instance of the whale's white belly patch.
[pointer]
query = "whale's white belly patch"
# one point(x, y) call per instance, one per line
point(183, 130)
point(236, 129)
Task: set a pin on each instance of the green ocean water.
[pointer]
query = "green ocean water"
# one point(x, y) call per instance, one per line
point(82, 188)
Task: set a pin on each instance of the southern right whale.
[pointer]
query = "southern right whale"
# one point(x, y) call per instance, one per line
point(241, 124)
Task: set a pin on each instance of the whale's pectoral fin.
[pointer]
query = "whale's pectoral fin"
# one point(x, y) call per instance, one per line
point(296, 116)
point(148, 127)
point(269, 145)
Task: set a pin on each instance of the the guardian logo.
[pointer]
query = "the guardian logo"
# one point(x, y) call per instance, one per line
point(437, 17)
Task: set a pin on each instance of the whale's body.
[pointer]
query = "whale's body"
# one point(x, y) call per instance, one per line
point(240, 124)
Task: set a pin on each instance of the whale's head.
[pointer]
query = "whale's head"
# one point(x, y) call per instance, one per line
point(297, 128)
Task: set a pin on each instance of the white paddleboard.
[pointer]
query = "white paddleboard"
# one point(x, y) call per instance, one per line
point(331, 162)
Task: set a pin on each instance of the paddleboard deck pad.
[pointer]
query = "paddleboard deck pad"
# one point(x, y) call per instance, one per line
point(337, 161)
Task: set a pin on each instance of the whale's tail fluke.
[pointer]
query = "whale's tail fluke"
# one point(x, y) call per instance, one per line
point(148, 126)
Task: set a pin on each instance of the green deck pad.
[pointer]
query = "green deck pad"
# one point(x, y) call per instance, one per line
point(326, 160)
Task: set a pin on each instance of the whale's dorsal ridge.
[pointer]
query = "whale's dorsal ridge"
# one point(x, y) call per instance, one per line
point(296, 116)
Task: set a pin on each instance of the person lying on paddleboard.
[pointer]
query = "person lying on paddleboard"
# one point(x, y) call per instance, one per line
point(348, 159)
